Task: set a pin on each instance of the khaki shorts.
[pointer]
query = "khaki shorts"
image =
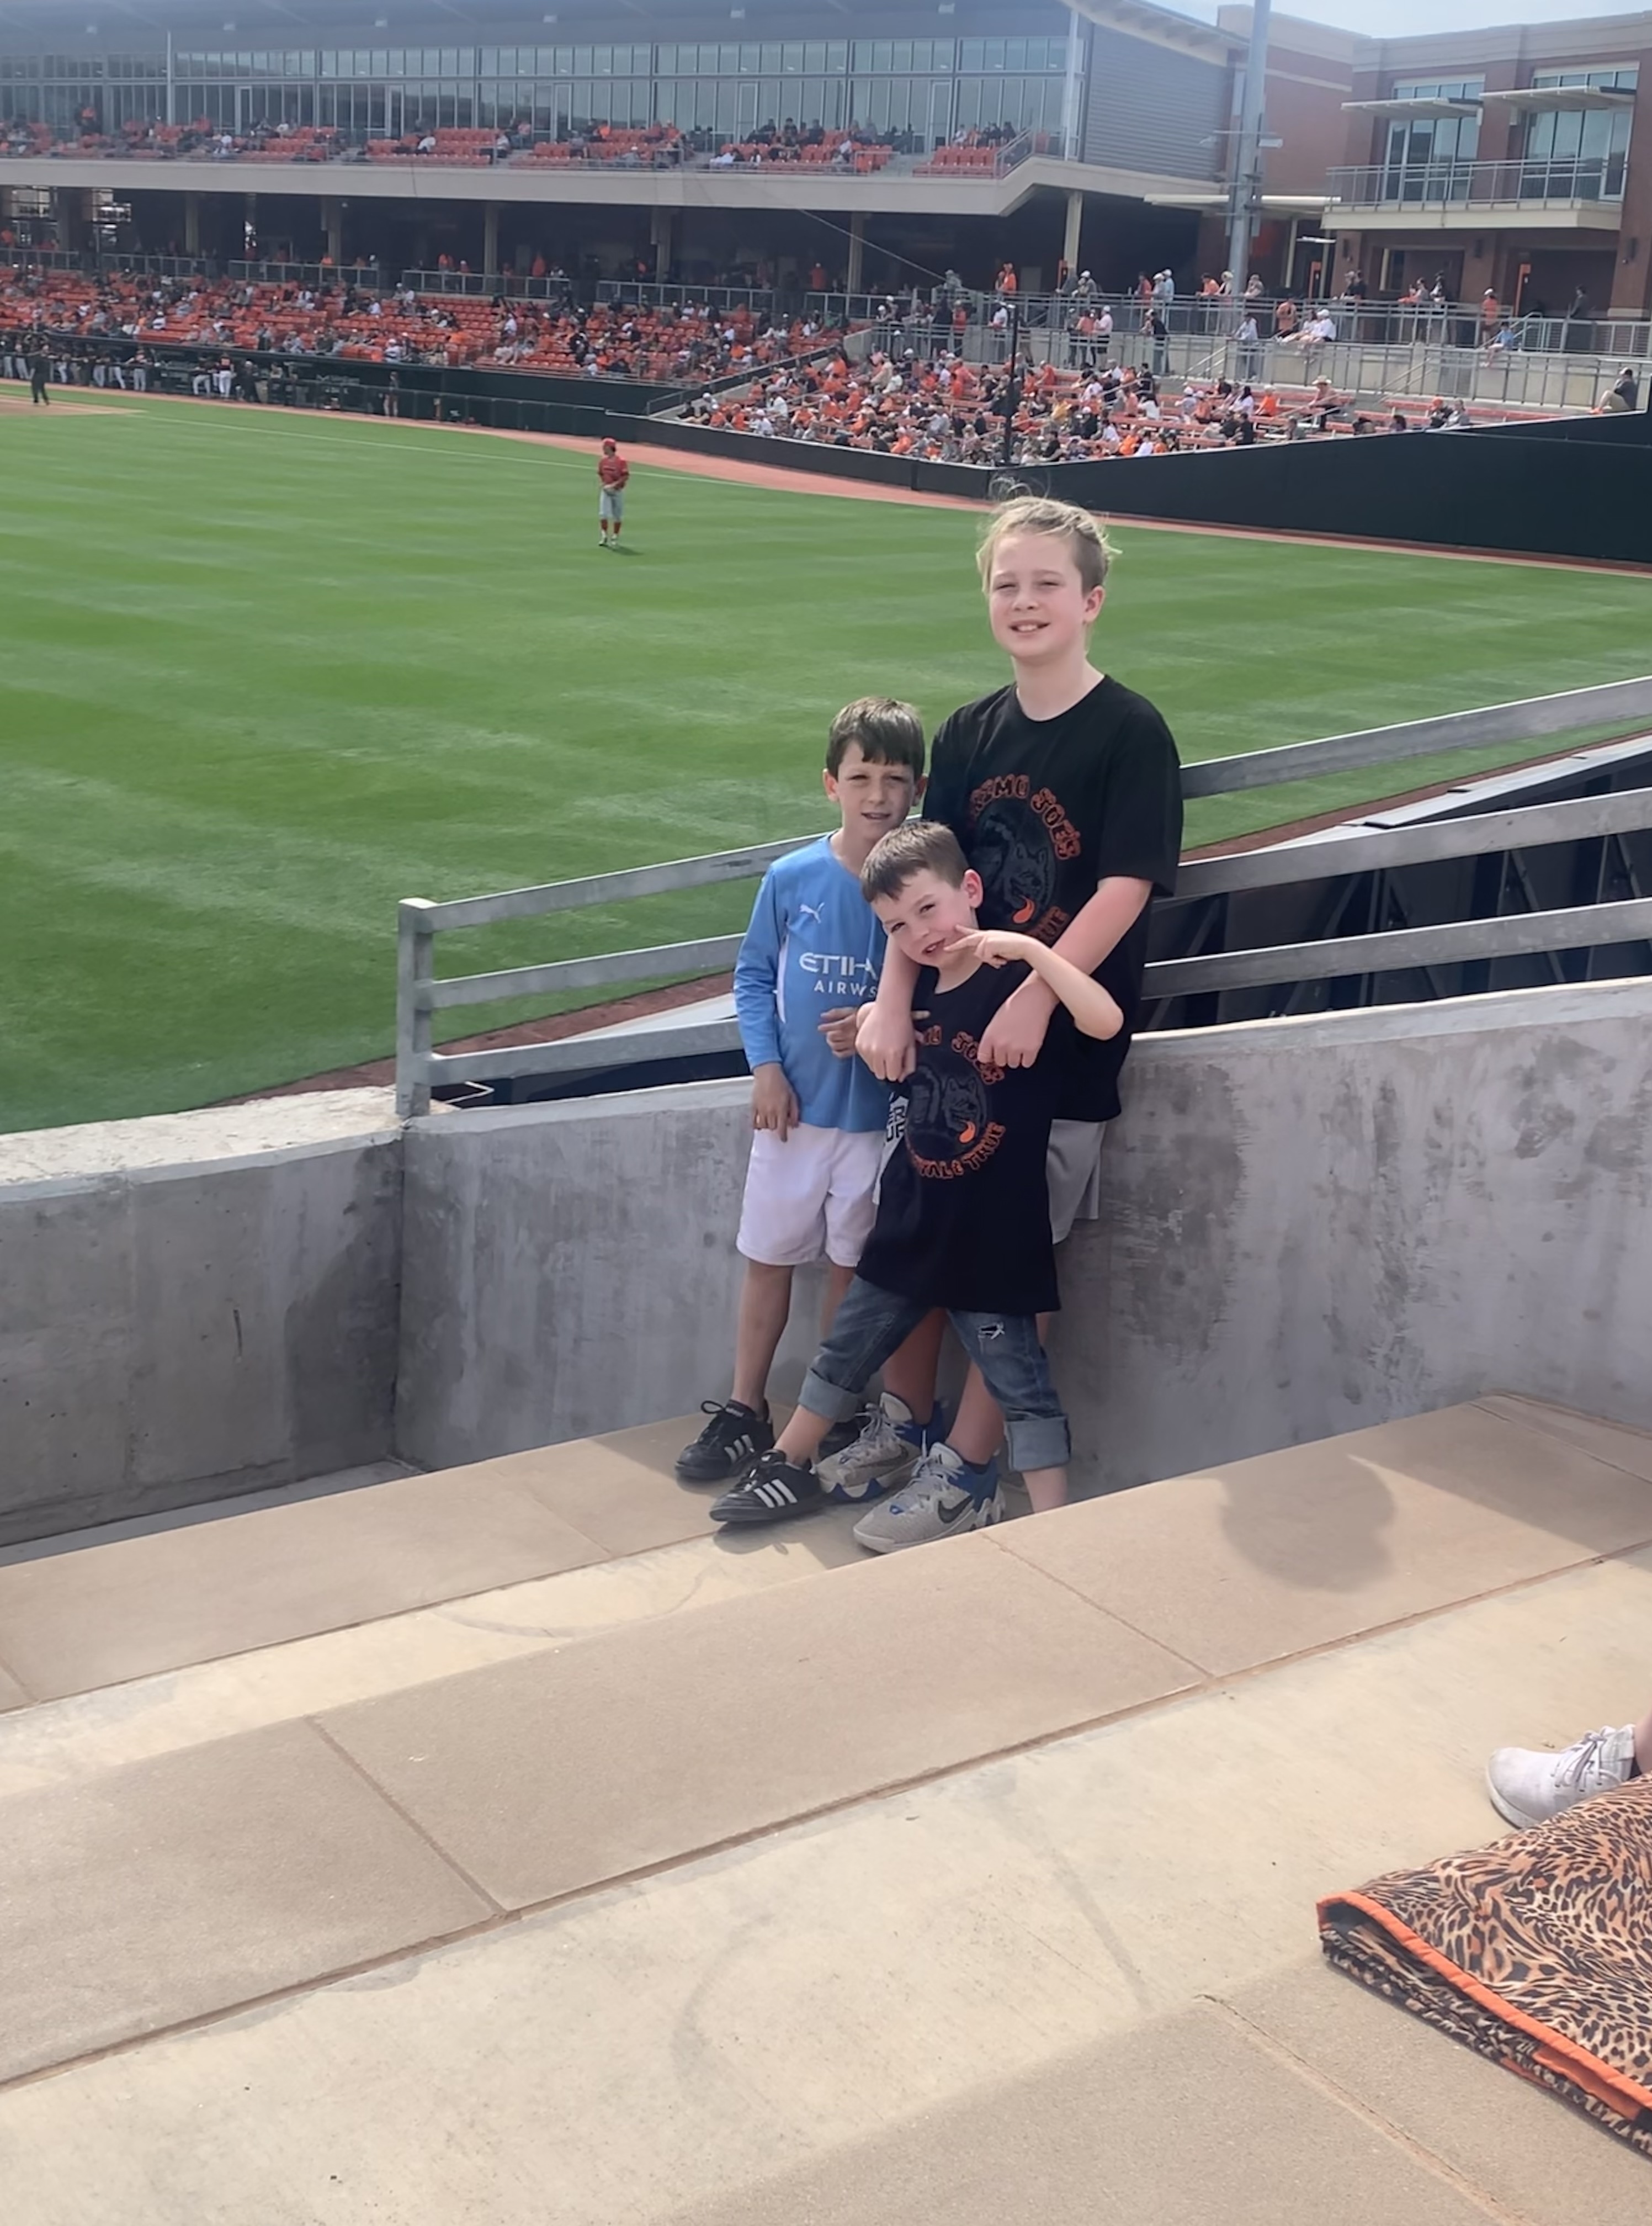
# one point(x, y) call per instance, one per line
point(1073, 1170)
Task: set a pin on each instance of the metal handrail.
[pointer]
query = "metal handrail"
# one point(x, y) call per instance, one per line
point(1525, 721)
point(1535, 180)
point(420, 994)
point(1379, 849)
point(1522, 935)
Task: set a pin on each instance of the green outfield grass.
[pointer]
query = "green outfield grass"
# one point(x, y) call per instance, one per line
point(265, 674)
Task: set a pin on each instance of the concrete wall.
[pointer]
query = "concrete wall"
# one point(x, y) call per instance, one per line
point(570, 1269)
point(1308, 1226)
point(172, 1333)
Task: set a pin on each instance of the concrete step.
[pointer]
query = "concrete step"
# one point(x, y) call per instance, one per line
point(145, 1638)
point(731, 1909)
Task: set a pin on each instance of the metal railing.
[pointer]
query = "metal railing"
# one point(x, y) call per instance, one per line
point(368, 275)
point(651, 294)
point(1503, 382)
point(1531, 183)
point(421, 993)
point(489, 284)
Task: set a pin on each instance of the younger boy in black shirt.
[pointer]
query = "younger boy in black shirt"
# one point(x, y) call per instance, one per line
point(964, 1211)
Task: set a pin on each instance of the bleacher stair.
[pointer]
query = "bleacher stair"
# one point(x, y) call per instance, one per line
point(503, 1845)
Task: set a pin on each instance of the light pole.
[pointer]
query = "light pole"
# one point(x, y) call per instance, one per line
point(1247, 154)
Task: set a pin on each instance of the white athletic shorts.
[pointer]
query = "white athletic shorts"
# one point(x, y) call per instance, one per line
point(611, 505)
point(1073, 1170)
point(815, 1194)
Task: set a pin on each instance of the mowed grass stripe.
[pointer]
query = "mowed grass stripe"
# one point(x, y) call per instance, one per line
point(266, 675)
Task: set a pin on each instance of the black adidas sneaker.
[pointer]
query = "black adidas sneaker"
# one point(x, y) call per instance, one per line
point(776, 1489)
point(727, 1446)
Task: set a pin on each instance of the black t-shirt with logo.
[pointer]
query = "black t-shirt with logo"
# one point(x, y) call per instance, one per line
point(1047, 809)
point(963, 1209)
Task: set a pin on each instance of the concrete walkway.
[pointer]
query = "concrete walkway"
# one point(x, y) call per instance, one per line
point(502, 1847)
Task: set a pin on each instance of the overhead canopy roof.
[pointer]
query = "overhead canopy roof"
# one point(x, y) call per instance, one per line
point(1549, 98)
point(1285, 204)
point(1403, 109)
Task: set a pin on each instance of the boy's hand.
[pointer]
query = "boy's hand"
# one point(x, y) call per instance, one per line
point(774, 1103)
point(885, 1042)
point(995, 946)
point(839, 1029)
point(1014, 1035)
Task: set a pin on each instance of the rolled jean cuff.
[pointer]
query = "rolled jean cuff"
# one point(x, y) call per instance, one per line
point(830, 1400)
point(1036, 1442)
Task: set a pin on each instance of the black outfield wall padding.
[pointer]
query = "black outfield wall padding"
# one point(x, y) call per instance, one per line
point(1577, 487)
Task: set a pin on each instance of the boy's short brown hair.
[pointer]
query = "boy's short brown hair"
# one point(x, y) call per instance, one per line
point(1092, 551)
point(888, 731)
point(920, 844)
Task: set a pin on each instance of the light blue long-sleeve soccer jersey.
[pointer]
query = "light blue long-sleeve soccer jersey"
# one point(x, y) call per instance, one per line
point(814, 945)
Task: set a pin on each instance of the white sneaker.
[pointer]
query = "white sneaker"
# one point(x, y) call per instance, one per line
point(883, 1454)
point(933, 1503)
point(1529, 1785)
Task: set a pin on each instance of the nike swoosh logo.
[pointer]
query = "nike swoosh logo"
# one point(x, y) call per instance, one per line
point(965, 1506)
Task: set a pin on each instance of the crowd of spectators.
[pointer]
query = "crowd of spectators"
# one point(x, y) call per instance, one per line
point(655, 146)
point(943, 410)
point(78, 318)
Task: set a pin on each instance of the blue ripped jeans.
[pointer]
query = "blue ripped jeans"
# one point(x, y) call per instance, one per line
point(871, 1323)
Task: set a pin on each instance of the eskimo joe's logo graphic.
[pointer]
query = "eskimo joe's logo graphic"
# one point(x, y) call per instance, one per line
point(1010, 849)
point(1017, 834)
point(948, 1131)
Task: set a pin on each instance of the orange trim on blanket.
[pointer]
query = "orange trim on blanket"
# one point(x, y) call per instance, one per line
point(1567, 2058)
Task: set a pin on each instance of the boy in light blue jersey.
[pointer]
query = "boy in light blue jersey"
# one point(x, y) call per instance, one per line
point(811, 958)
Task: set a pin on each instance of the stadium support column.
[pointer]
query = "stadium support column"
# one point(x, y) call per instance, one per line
point(491, 238)
point(857, 252)
point(332, 225)
point(1075, 230)
point(192, 223)
point(69, 210)
point(659, 234)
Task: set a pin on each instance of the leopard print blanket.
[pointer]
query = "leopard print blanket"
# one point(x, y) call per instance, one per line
point(1536, 1952)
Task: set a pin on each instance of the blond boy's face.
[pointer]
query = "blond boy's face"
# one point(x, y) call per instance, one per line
point(1036, 599)
point(872, 796)
point(927, 914)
